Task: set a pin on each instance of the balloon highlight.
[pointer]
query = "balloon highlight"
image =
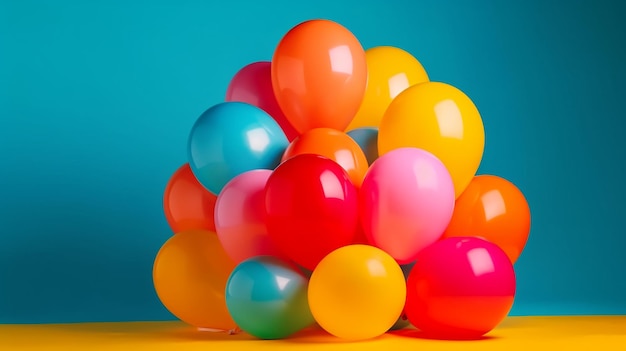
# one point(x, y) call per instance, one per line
point(337, 187)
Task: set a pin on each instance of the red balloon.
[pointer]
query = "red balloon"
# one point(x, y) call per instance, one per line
point(460, 288)
point(311, 208)
point(253, 85)
point(187, 204)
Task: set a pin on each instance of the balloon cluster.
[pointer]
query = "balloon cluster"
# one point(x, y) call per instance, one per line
point(337, 186)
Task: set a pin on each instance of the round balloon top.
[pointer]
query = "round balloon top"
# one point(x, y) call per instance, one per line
point(319, 75)
point(231, 138)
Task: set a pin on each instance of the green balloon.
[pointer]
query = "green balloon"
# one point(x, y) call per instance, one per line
point(267, 298)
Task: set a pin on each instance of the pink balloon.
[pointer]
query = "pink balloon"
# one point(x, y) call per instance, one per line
point(253, 85)
point(460, 288)
point(240, 217)
point(406, 202)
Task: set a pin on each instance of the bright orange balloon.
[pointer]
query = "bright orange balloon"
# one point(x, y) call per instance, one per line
point(319, 75)
point(187, 204)
point(335, 145)
point(190, 274)
point(494, 209)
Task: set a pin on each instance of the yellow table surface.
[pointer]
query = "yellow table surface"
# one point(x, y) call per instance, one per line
point(514, 333)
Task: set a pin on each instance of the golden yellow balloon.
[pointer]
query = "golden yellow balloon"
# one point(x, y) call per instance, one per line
point(441, 119)
point(357, 292)
point(390, 71)
point(190, 274)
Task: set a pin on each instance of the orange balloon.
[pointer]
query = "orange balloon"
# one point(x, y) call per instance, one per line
point(187, 204)
point(335, 145)
point(319, 75)
point(494, 209)
point(190, 274)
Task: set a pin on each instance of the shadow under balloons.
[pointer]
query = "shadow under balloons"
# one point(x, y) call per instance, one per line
point(418, 334)
point(316, 335)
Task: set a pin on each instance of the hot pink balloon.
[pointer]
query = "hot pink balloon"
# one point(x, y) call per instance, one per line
point(240, 217)
point(406, 202)
point(253, 85)
point(460, 288)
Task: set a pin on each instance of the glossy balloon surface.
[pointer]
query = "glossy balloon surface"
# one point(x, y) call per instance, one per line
point(240, 217)
point(406, 202)
point(190, 274)
point(460, 288)
point(367, 139)
point(335, 145)
point(492, 208)
point(390, 71)
point(252, 84)
point(187, 204)
point(267, 297)
point(311, 208)
point(231, 138)
point(319, 75)
point(438, 118)
point(357, 292)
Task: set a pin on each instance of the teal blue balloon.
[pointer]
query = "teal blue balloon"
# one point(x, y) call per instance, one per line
point(267, 298)
point(367, 138)
point(406, 269)
point(231, 138)
point(403, 321)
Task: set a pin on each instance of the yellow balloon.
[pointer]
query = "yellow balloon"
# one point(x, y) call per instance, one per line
point(390, 71)
point(357, 292)
point(441, 119)
point(190, 274)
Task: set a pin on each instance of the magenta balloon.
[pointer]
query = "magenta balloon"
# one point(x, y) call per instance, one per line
point(253, 85)
point(406, 202)
point(460, 288)
point(240, 217)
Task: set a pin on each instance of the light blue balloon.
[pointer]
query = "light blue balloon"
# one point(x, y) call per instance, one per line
point(367, 138)
point(267, 298)
point(231, 138)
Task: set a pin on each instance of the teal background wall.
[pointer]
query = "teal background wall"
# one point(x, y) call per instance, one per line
point(97, 100)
